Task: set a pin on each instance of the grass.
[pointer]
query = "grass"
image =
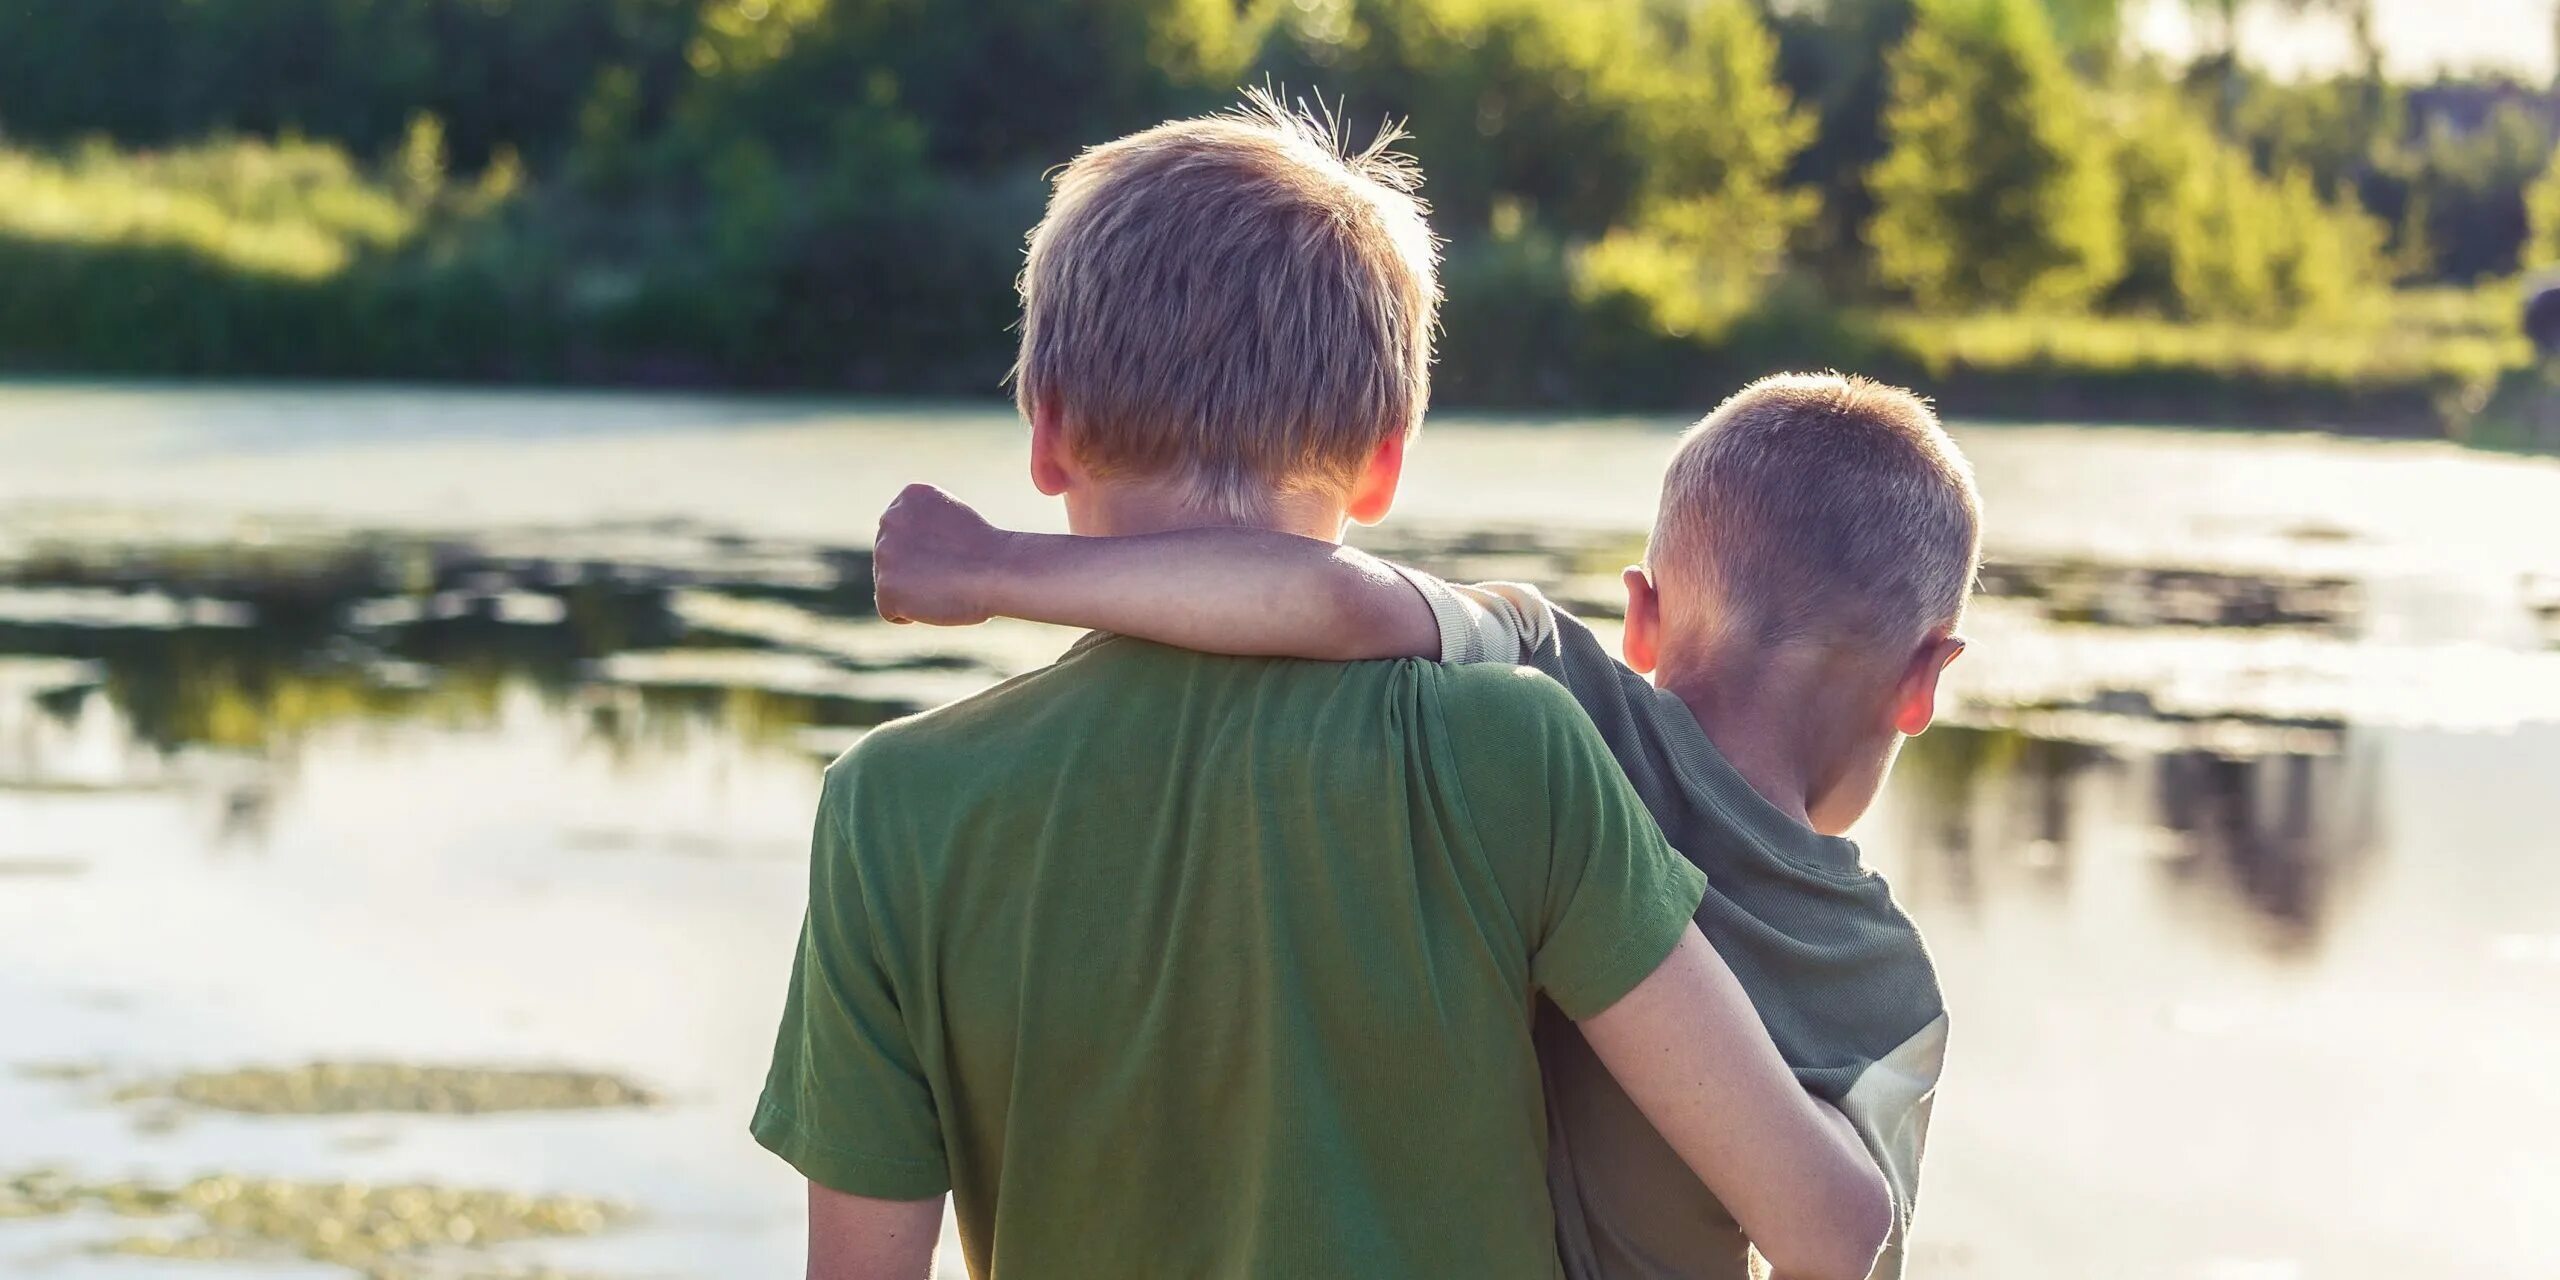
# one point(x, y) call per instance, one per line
point(2352, 356)
point(2420, 360)
point(296, 210)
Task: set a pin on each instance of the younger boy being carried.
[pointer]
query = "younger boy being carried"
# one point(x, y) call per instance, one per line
point(1809, 563)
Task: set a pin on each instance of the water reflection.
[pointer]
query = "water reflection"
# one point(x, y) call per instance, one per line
point(2281, 836)
point(2137, 595)
point(212, 664)
point(205, 650)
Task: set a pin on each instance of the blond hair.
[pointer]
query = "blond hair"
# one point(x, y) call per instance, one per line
point(1240, 303)
point(1823, 506)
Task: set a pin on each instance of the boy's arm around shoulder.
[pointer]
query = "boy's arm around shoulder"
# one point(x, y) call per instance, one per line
point(1612, 943)
point(1218, 590)
point(1693, 1056)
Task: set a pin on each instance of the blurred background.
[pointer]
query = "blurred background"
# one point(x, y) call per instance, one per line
point(439, 439)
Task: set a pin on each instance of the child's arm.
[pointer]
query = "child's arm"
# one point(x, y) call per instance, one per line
point(1219, 590)
point(1692, 1054)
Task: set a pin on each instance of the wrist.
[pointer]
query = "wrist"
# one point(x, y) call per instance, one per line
point(1000, 580)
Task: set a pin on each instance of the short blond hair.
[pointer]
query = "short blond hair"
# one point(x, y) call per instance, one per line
point(1821, 506)
point(1239, 302)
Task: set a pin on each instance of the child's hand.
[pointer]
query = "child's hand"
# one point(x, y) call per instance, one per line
point(932, 558)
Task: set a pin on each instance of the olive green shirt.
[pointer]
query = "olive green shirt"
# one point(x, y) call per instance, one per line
point(1167, 964)
point(1835, 968)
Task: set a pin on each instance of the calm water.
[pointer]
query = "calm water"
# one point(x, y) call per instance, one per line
point(443, 729)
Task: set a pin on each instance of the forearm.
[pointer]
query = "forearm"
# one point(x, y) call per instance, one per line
point(1843, 1128)
point(1691, 1052)
point(1219, 590)
point(859, 1238)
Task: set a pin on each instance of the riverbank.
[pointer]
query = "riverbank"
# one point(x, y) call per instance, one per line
point(2420, 365)
point(89, 320)
point(288, 261)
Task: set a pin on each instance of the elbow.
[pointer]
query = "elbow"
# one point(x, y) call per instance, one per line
point(1361, 625)
point(1844, 1240)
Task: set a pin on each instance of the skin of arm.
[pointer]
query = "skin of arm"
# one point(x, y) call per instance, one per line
point(858, 1238)
point(1690, 1052)
point(1217, 590)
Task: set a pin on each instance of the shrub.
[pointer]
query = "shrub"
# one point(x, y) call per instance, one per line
point(1997, 189)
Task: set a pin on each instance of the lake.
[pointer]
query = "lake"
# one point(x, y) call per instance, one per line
point(404, 796)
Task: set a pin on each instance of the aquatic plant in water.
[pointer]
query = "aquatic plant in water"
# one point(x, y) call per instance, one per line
point(345, 1088)
point(405, 1232)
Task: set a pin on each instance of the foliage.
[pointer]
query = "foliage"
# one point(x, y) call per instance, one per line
point(1712, 216)
point(295, 210)
point(2207, 237)
point(1996, 191)
point(1517, 104)
point(497, 72)
point(1644, 200)
point(2543, 200)
point(2445, 163)
point(2375, 353)
point(1831, 54)
point(2465, 186)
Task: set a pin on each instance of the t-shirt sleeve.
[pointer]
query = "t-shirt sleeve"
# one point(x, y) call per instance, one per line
point(1504, 622)
point(846, 1101)
point(1610, 898)
point(1889, 1106)
point(1514, 622)
point(1639, 726)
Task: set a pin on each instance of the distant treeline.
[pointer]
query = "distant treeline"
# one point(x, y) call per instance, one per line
point(1644, 200)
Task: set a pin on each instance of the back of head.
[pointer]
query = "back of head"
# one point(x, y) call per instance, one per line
point(1817, 507)
point(1236, 303)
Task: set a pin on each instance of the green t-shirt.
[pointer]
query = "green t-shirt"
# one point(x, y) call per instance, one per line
point(1168, 964)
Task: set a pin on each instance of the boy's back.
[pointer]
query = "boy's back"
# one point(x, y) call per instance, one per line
point(1172, 964)
point(1836, 969)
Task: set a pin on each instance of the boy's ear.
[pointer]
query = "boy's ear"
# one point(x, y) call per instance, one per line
point(1915, 698)
point(1642, 644)
point(1053, 468)
point(1375, 492)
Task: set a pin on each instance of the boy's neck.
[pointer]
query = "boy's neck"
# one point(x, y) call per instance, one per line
point(1772, 715)
point(1123, 508)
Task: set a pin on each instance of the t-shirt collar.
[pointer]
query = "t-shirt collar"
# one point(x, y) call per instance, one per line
point(1709, 774)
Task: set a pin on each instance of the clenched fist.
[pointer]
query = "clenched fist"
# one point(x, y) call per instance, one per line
point(931, 559)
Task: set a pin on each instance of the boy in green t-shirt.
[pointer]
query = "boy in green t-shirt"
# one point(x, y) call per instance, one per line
point(1808, 567)
point(1163, 963)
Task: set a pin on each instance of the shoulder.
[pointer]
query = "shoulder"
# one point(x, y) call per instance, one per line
point(1493, 698)
point(886, 747)
point(1518, 738)
point(950, 742)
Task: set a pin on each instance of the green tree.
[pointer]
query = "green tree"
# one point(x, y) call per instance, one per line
point(2328, 254)
point(157, 72)
point(2173, 174)
point(1512, 104)
point(994, 82)
point(1831, 56)
point(2468, 186)
point(2209, 237)
point(1997, 189)
point(1713, 213)
point(2542, 202)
